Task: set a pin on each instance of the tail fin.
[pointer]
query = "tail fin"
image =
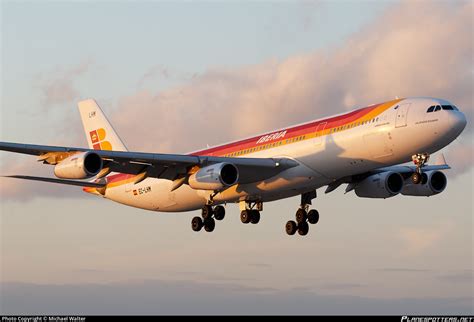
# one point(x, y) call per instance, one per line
point(99, 132)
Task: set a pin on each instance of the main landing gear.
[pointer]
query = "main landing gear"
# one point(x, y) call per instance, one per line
point(419, 160)
point(209, 216)
point(250, 211)
point(303, 216)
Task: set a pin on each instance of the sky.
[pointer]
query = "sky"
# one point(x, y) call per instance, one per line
point(175, 76)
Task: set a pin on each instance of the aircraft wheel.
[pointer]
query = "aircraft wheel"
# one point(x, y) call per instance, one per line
point(206, 212)
point(303, 228)
point(254, 216)
point(300, 216)
point(196, 223)
point(291, 227)
point(416, 178)
point(219, 212)
point(313, 216)
point(209, 224)
point(245, 216)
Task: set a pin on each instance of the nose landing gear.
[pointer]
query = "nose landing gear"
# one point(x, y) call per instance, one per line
point(419, 160)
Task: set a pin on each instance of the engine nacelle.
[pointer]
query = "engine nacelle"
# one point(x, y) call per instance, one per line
point(214, 177)
point(79, 166)
point(432, 183)
point(380, 185)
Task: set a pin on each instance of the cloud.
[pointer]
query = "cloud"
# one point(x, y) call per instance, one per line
point(260, 265)
point(418, 240)
point(342, 286)
point(153, 297)
point(461, 156)
point(165, 73)
point(465, 276)
point(396, 55)
point(58, 87)
point(24, 190)
point(404, 270)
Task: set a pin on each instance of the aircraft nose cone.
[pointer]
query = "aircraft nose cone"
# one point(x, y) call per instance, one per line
point(461, 122)
point(458, 122)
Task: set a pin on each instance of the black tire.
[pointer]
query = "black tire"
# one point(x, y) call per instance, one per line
point(416, 178)
point(196, 224)
point(219, 212)
point(209, 224)
point(206, 212)
point(254, 216)
point(291, 227)
point(245, 216)
point(301, 215)
point(303, 228)
point(313, 216)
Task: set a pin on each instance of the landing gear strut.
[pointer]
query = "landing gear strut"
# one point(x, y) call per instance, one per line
point(303, 216)
point(209, 216)
point(250, 211)
point(419, 160)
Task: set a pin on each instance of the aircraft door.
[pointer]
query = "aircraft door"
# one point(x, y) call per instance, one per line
point(319, 129)
point(402, 114)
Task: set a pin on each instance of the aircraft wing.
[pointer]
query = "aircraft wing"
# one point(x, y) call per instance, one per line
point(409, 169)
point(159, 165)
point(62, 181)
point(405, 170)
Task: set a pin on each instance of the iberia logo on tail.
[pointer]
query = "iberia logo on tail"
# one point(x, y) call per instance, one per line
point(97, 138)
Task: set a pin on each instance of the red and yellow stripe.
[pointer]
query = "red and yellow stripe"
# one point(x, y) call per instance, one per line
point(301, 132)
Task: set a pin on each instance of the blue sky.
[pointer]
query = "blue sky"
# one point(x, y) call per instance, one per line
point(175, 76)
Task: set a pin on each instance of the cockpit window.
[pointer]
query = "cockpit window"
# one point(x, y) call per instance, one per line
point(436, 108)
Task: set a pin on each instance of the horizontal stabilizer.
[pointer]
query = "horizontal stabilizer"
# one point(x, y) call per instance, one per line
point(62, 181)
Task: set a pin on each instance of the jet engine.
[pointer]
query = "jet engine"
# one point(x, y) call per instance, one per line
point(79, 166)
point(432, 183)
point(380, 185)
point(214, 177)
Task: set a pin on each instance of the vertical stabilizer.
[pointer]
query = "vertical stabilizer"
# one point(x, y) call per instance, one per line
point(100, 134)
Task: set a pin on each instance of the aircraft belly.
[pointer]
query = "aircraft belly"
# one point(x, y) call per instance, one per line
point(155, 194)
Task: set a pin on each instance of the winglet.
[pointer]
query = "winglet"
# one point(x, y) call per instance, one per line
point(440, 160)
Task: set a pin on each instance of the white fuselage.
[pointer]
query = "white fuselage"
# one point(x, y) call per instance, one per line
point(388, 138)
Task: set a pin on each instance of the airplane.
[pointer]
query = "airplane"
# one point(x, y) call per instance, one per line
point(366, 148)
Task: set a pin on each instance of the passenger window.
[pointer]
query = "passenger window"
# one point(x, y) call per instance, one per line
point(437, 108)
point(430, 109)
